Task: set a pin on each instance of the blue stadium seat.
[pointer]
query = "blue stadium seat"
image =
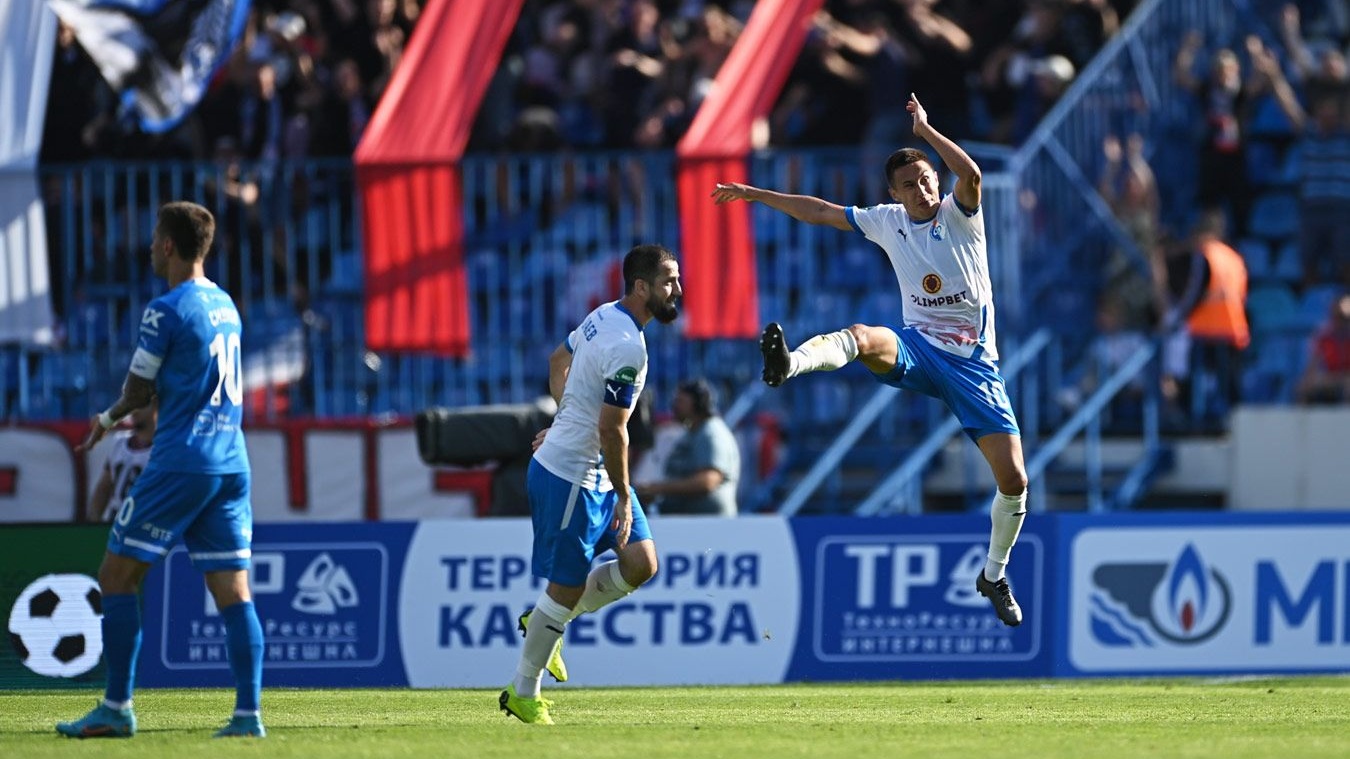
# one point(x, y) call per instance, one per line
point(1272, 307)
point(1317, 302)
point(1274, 216)
point(1256, 254)
point(1288, 264)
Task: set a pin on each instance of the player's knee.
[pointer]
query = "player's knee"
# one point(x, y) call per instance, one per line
point(118, 575)
point(866, 338)
point(641, 569)
point(1013, 482)
point(643, 572)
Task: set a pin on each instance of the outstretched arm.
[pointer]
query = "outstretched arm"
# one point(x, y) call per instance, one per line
point(963, 166)
point(801, 207)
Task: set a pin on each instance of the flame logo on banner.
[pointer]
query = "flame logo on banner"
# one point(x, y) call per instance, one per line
point(1184, 602)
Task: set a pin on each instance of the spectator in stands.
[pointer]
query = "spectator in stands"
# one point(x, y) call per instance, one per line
point(1327, 376)
point(1023, 77)
point(883, 68)
point(1324, 186)
point(1128, 185)
point(704, 468)
point(1113, 344)
point(343, 113)
point(1203, 284)
point(1224, 101)
point(944, 50)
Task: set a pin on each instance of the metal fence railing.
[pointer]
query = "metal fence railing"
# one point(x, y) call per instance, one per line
point(544, 237)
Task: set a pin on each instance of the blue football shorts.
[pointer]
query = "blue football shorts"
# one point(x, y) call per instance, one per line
point(571, 526)
point(971, 388)
point(211, 513)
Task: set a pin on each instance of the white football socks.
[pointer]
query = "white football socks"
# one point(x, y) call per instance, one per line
point(604, 586)
point(548, 621)
point(823, 353)
point(1006, 514)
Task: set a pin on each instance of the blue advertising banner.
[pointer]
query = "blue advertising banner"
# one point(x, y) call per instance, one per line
point(327, 599)
point(1174, 594)
point(895, 598)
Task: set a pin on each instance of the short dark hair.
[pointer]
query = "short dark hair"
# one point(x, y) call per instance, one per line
point(190, 227)
point(904, 157)
point(643, 262)
point(702, 394)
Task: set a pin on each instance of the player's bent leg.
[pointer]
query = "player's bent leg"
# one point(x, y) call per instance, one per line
point(822, 353)
point(1004, 454)
point(878, 348)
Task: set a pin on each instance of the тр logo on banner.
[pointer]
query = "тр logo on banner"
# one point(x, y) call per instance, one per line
point(324, 587)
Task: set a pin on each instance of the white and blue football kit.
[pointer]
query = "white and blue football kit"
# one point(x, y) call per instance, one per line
point(196, 484)
point(947, 344)
point(571, 498)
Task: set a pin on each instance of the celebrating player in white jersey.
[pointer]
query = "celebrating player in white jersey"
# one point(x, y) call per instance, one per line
point(126, 460)
point(945, 348)
point(581, 500)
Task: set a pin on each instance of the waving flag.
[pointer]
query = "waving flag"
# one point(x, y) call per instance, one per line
point(27, 35)
point(159, 55)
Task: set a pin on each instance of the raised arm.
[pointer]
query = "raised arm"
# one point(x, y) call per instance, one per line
point(800, 207)
point(962, 165)
point(1183, 68)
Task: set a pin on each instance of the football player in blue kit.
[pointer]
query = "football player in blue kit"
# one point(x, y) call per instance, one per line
point(581, 499)
point(195, 487)
point(946, 347)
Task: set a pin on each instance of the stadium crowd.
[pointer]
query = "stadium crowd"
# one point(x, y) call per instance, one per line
point(606, 73)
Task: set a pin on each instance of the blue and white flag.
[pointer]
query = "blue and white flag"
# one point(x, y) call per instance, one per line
point(27, 36)
point(159, 55)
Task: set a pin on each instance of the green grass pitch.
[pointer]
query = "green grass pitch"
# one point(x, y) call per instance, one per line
point(1120, 719)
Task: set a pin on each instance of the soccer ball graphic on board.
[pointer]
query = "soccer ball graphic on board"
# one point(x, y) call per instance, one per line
point(56, 625)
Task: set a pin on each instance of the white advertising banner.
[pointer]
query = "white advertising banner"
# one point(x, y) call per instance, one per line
point(722, 609)
point(1194, 599)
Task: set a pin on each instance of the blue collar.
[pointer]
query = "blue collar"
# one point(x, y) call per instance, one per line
point(619, 305)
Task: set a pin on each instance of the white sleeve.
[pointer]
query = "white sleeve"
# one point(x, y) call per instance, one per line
point(873, 221)
point(958, 215)
point(625, 361)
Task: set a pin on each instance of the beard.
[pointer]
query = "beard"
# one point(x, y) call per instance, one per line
point(663, 311)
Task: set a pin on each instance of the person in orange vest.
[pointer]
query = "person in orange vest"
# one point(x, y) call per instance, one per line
point(1203, 284)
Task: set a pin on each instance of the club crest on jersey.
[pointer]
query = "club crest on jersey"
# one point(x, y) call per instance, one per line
point(932, 283)
point(937, 231)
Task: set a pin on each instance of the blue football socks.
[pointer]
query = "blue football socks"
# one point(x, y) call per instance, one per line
point(244, 637)
point(121, 644)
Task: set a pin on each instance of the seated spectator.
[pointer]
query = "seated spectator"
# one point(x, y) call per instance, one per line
point(704, 467)
point(1327, 377)
point(1115, 342)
